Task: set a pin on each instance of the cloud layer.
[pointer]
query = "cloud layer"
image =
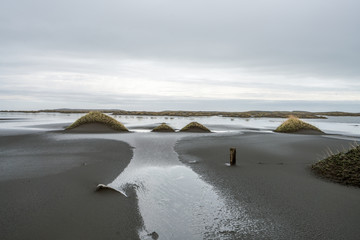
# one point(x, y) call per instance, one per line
point(106, 52)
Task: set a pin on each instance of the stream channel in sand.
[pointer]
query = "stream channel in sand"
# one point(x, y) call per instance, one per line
point(173, 200)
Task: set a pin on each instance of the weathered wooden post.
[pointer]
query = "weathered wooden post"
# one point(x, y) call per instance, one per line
point(232, 156)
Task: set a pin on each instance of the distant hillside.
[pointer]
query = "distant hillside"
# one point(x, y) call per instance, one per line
point(247, 114)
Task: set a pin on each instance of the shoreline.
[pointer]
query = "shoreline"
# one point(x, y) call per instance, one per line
point(64, 204)
point(244, 114)
point(274, 182)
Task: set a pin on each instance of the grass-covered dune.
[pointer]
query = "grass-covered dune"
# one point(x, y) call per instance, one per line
point(293, 125)
point(341, 167)
point(98, 117)
point(163, 128)
point(195, 127)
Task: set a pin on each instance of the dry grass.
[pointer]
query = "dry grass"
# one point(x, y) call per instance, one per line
point(163, 128)
point(343, 167)
point(195, 126)
point(293, 124)
point(99, 117)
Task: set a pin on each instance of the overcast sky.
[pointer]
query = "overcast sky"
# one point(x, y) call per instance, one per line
point(192, 55)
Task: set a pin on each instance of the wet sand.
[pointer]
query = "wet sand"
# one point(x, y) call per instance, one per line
point(47, 185)
point(273, 181)
point(47, 189)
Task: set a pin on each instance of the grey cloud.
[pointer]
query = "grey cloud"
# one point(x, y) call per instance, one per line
point(292, 39)
point(316, 38)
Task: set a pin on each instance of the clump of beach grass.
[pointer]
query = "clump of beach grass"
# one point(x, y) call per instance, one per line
point(294, 124)
point(163, 128)
point(99, 117)
point(195, 127)
point(343, 167)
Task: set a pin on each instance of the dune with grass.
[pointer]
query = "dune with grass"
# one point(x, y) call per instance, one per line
point(343, 167)
point(163, 128)
point(98, 120)
point(195, 127)
point(295, 125)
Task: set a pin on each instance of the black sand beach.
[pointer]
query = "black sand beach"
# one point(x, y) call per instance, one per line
point(48, 186)
point(47, 189)
point(273, 181)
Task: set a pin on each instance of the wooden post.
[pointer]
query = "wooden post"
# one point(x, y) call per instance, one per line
point(232, 156)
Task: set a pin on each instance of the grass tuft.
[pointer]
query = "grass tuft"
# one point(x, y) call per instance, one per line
point(293, 124)
point(98, 117)
point(195, 126)
point(343, 167)
point(163, 128)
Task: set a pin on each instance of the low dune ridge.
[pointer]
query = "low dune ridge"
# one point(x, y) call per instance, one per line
point(97, 122)
point(295, 125)
point(163, 128)
point(195, 127)
point(343, 167)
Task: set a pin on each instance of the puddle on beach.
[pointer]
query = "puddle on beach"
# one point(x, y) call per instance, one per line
point(173, 200)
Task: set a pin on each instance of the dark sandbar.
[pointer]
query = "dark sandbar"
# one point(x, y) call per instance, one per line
point(274, 182)
point(57, 199)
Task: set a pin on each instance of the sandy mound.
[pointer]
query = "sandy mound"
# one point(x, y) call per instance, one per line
point(295, 125)
point(163, 128)
point(96, 122)
point(342, 167)
point(195, 127)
